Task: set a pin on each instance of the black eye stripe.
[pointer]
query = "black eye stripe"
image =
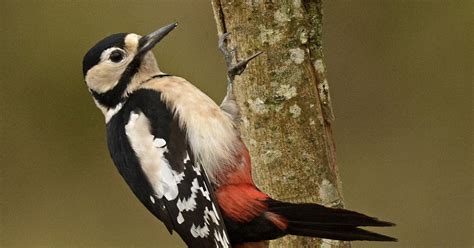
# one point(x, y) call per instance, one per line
point(116, 56)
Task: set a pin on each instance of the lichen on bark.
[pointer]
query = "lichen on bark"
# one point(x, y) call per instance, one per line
point(285, 102)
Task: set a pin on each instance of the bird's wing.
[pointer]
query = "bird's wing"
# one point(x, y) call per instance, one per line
point(161, 171)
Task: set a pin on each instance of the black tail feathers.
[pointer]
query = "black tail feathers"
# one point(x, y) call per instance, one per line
point(314, 220)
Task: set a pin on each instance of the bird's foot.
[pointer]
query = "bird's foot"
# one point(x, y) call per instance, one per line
point(230, 56)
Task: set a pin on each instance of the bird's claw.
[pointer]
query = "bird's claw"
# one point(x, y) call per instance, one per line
point(238, 68)
point(229, 55)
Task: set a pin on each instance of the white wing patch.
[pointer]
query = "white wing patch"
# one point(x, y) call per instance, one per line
point(189, 204)
point(221, 239)
point(180, 218)
point(197, 170)
point(159, 143)
point(203, 231)
point(187, 158)
point(205, 192)
point(150, 152)
point(178, 177)
point(198, 231)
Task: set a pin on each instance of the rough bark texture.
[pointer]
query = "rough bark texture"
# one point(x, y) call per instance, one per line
point(285, 103)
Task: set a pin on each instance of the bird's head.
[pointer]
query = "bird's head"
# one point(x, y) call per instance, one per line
point(117, 64)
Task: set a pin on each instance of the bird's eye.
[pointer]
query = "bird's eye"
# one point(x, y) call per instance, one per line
point(116, 56)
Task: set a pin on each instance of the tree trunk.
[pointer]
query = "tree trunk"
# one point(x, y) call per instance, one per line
point(284, 100)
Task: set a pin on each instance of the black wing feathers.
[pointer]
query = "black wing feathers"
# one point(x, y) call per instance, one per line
point(194, 213)
point(129, 167)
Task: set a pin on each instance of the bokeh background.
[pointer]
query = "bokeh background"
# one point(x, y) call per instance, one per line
point(401, 80)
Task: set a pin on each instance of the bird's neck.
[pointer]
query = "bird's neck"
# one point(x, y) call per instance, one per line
point(148, 69)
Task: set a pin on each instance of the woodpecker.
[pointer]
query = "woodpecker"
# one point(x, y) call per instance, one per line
point(182, 155)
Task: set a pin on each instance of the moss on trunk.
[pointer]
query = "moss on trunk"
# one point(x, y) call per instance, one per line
point(285, 102)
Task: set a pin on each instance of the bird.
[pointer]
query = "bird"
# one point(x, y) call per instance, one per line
point(183, 157)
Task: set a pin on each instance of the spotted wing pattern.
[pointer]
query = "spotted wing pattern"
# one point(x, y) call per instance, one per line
point(151, 152)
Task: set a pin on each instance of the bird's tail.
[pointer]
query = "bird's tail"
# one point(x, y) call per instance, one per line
point(315, 220)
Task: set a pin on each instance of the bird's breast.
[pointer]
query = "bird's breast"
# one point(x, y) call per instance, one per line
point(211, 133)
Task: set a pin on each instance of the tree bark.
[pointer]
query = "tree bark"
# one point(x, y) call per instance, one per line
point(285, 103)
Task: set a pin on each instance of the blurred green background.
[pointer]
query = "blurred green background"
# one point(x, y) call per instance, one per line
point(401, 80)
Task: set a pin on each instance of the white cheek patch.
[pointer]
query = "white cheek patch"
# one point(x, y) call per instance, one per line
point(106, 74)
point(150, 152)
point(103, 77)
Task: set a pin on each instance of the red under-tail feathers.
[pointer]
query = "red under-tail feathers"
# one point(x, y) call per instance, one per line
point(238, 197)
point(252, 215)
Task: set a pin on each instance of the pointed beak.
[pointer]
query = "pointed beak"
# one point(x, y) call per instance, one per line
point(146, 43)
